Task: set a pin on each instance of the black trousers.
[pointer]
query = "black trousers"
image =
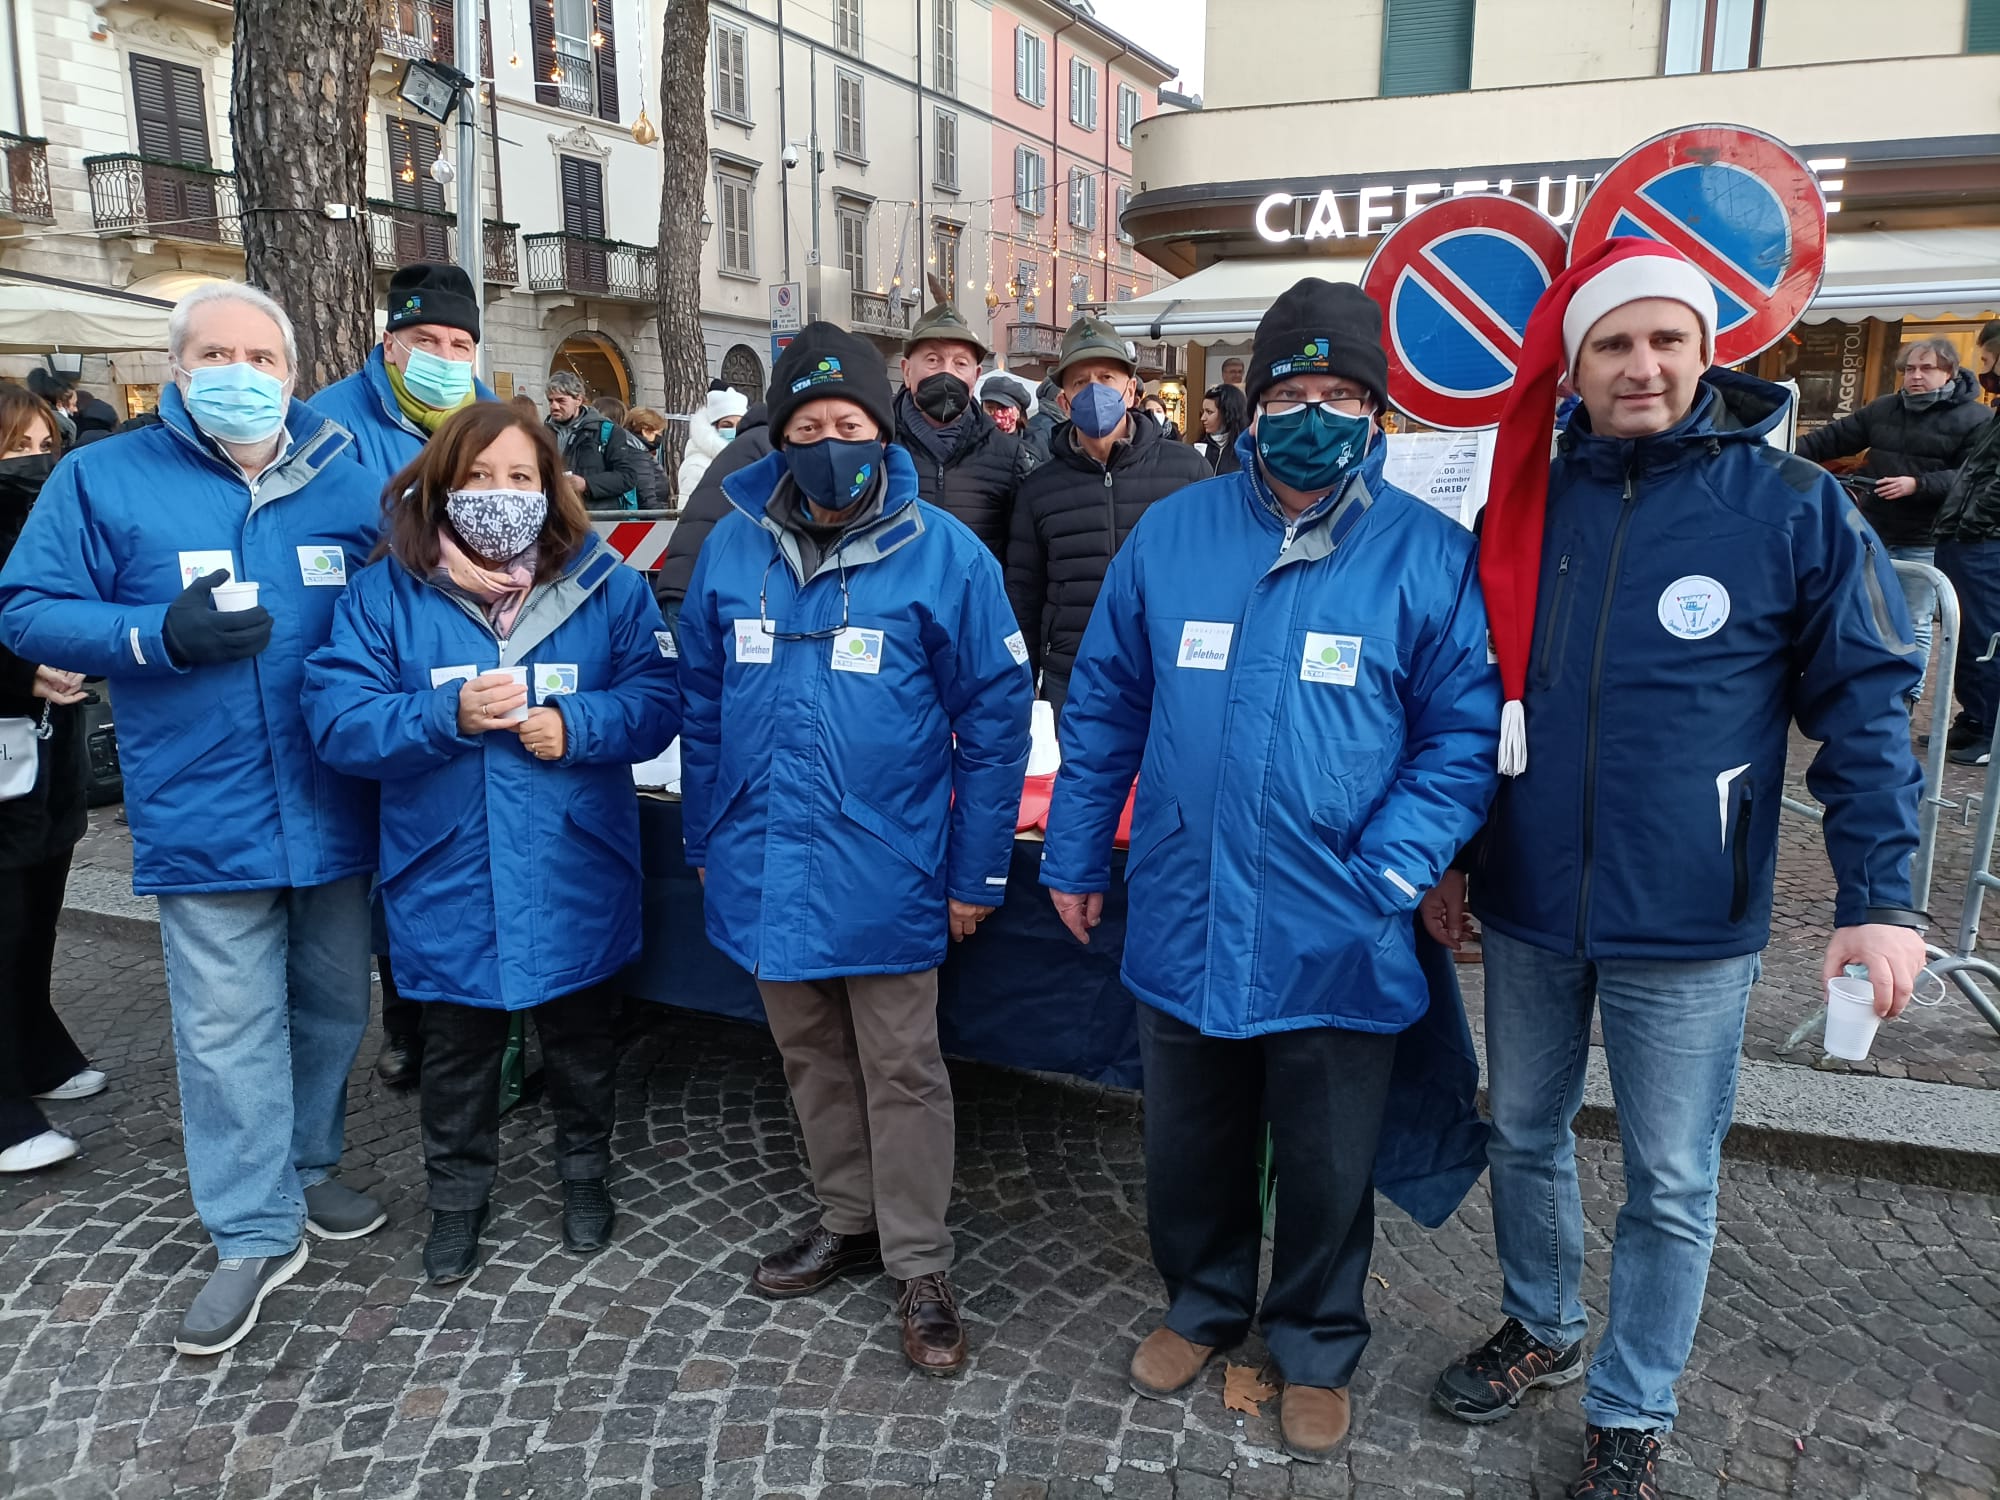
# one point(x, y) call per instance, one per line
point(400, 1017)
point(36, 1051)
point(1207, 1099)
point(460, 1089)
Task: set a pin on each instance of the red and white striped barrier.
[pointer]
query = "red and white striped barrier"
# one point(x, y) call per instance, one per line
point(641, 543)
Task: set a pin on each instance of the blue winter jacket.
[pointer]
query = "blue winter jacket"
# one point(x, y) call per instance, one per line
point(506, 880)
point(1313, 722)
point(365, 404)
point(222, 787)
point(1699, 590)
point(838, 791)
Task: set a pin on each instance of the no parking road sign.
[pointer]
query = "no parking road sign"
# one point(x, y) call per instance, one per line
point(1736, 202)
point(1456, 282)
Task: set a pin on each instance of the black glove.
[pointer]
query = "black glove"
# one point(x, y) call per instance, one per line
point(198, 634)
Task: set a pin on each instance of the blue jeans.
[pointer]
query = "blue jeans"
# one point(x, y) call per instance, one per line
point(1673, 1031)
point(269, 991)
point(1923, 600)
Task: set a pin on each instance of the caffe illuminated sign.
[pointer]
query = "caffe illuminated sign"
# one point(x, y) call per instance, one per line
point(1339, 212)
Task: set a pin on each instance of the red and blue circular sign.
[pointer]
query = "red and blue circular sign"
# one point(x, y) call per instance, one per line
point(1456, 282)
point(1740, 205)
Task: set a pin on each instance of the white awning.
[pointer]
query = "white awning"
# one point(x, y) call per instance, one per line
point(1890, 274)
point(1224, 300)
point(37, 317)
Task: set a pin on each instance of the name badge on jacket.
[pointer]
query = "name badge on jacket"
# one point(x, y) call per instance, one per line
point(200, 564)
point(553, 679)
point(858, 651)
point(1331, 658)
point(1205, 644)
point(441, 675)
point(752, 643)
point(322, 567)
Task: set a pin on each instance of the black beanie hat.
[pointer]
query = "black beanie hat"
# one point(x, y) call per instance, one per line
point(431, 292)
point(824, 361)
point(1319, 328)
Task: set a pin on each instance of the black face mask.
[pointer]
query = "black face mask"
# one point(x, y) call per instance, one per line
point(1989, 382)
point(21, 479)
point(942, 396)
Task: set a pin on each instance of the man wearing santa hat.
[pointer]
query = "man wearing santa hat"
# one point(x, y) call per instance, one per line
point(1666, 597)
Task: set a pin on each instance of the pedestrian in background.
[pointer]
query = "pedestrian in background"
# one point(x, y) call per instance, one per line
point(1009, 401)
point(1225, 416)
point(650, 477)
point(965, 464)
point(857, 730)
point(710, 431)
point(260, 854)
point(604, 462)
point(704, 507)
point(1968, 553)
point(510, 837)
point(43, 812)
point(648, 426)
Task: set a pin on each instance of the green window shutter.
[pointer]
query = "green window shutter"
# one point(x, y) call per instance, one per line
point(1426, 46)
point(1982, 26)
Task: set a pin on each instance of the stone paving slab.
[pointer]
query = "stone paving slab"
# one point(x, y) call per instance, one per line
point(1850, 1346)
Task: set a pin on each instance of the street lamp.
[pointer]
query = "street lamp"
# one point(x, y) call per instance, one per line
point(707, 223)
point(431, 88)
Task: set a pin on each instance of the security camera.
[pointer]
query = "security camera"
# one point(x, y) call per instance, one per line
point(791, 155)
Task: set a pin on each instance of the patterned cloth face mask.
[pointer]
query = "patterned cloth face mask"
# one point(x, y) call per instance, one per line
point(499, 525)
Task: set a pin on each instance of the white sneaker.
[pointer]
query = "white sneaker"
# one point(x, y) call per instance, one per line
point(38, 1151)
point(82, 1086)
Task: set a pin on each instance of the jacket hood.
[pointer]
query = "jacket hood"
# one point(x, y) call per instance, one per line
point(1729, 407)
point(705, 439)
point(756, 416)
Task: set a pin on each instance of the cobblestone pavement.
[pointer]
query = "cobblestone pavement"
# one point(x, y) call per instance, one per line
point(1851, 1345)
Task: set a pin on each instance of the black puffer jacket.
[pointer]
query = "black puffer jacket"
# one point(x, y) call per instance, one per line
point(1930, 445)
point(1072, 515)
point(48, 821)
point(978, 481)
point(1971, 512)
point(707, 505)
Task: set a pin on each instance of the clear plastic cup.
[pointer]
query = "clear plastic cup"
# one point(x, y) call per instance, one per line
point(1850, 1017)
point(520, 675)
point(235, 595)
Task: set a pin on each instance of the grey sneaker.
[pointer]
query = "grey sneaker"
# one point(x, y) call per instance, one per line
point(334, 1212)
point(226, 1309)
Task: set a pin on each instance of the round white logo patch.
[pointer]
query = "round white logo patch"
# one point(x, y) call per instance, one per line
point(1694, 607)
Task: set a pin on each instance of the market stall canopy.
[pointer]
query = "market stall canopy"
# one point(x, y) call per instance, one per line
point(1909, 273)
point(1224, 300)
point(42, 316)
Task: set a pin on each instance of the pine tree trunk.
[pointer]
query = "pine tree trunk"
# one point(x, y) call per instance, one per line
point(683, 189)
point(298, 113)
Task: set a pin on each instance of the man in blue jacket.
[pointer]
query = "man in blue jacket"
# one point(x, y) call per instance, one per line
point(1666, 599)
point(855, 730)
point(259, 854)
point(1292, 660)
point(421, 372)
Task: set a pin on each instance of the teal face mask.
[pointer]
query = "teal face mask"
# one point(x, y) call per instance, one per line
point(235, 403)
point(1311, 448)
point(441, 384)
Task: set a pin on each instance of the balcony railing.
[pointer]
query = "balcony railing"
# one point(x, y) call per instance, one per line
point(399, 235)
point(420, 28)
point(1033, 340)
point(577, 87)
point(24, 192)
point(177, 200)
point(873, 312)
point(592, 267)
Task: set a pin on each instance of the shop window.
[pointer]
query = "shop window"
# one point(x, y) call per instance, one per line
point(1426, 46)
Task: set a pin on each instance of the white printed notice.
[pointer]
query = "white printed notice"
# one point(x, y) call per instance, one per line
point(1446, 470)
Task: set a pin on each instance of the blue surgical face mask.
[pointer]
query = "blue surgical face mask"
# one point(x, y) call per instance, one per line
point(833, 472)
point(235, 403)
point(1097, 410)
point(441, 384)
point(1310, 449)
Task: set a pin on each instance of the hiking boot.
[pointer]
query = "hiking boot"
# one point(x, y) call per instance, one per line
point(452, 1251)
point(933, 1335)
point(810, 1263)
point(587, 1215)
point(1619, 1463)
point(334, 1212)
point(1312, 1420)
point(1165, 1364)
point(1489, 1382)
point(400, 1062)
point(226, 1308)
point(79, 1086)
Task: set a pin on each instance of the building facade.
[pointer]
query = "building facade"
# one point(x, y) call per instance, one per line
point(1385, 105)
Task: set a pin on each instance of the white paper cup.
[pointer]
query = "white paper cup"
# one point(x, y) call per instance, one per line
point(1850, 1018)
point(520, 675)
point(234, 595)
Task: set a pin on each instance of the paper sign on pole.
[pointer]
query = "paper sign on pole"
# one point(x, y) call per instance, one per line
point(1448, 471)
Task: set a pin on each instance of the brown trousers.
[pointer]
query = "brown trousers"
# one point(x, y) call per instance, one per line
point(874, 1101)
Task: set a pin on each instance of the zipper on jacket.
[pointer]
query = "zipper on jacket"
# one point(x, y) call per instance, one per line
point(1590, 718)
point(1546, 654)
point(1739, 901)
point(1110, 515)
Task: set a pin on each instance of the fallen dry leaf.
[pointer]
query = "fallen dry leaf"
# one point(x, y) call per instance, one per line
point(1379, 1278)
point(1243, 1388)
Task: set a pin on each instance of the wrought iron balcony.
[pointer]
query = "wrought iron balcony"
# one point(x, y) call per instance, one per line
point(420, 28)
point(873, 312)
point(1033, 340)
point(24, 192)
point(399, 235)
point(591, 267)
point(174, 200)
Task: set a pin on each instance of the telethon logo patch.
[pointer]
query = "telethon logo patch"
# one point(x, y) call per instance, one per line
point(1694, 608)
point(1205, 645)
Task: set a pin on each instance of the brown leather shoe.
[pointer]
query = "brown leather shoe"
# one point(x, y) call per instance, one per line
point(933, 1336)
point(809, 1264)
point(1312, 1420)
point(1165, 1364)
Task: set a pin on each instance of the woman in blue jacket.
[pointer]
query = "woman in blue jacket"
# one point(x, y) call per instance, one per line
point(499, 672)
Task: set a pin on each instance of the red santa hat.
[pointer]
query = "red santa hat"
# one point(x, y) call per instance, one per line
point(1602, 280)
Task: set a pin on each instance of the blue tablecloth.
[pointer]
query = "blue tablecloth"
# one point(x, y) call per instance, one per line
point(1023, 993)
